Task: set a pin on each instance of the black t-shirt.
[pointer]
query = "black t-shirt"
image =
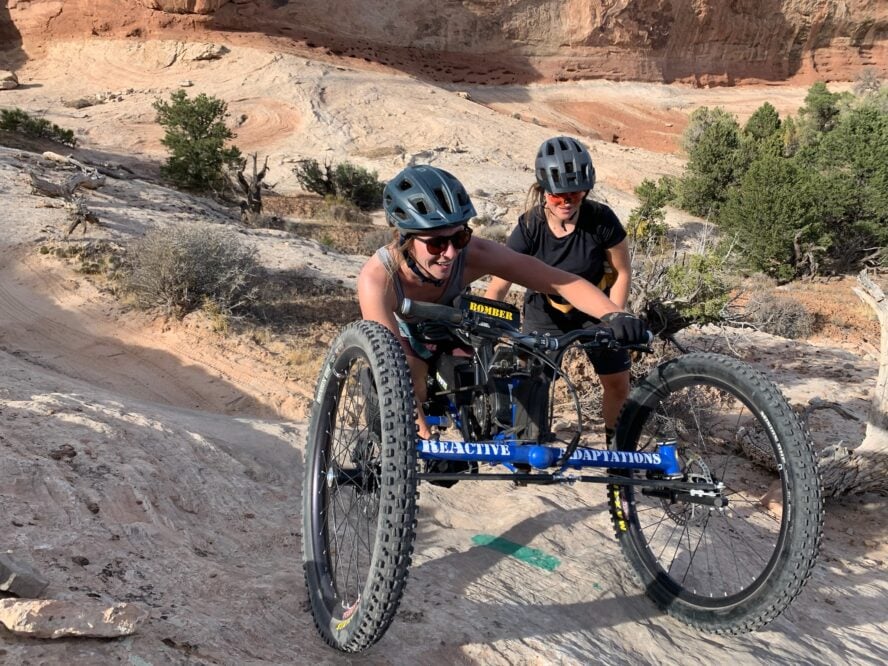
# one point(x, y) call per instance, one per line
point(581, 252)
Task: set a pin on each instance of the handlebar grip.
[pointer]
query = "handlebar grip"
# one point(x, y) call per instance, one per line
point(431, 311)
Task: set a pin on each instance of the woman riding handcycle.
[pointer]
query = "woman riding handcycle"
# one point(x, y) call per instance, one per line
point(700, 439)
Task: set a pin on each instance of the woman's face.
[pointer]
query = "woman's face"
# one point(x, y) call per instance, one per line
point(564, 206)
point(436, 250)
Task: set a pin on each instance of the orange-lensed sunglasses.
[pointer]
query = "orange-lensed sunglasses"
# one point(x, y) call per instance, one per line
point(437, 244)
point(565, 197)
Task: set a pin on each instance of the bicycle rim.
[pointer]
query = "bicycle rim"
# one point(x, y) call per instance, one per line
point(723, 569)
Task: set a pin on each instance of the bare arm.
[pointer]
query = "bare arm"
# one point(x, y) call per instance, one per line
point(489, 258)
point(618, 257)
point(378, 301)
point(497, 289)
point(376, 295)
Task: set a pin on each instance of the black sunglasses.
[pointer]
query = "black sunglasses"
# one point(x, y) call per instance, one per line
point(437, 244)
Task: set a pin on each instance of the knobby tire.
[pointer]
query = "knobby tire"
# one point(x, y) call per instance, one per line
point(734, 569)
point(359, 491)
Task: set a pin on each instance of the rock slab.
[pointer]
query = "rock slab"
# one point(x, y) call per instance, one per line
point(55, 618)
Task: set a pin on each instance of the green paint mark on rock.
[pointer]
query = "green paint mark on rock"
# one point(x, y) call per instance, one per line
point(531, 556)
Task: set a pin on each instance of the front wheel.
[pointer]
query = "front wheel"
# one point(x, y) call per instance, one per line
point(359, 490)
point(728, 569)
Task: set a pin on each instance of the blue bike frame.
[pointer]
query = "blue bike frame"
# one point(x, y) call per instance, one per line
point(539, 456)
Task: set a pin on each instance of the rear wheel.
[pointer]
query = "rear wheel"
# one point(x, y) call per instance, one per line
point(735, 568)
point(359, 491)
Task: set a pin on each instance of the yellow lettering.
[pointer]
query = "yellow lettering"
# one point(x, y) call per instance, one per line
point(491, 311)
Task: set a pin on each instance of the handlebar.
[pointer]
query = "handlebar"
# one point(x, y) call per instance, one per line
point(456, 317)
point(431, 311)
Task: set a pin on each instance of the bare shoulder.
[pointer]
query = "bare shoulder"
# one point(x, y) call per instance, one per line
point(373, 271)
point(375, 288)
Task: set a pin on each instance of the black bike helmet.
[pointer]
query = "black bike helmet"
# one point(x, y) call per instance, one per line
point(425, 197)
point(564, 165)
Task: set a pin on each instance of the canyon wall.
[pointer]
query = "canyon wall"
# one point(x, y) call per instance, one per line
point(507, 41)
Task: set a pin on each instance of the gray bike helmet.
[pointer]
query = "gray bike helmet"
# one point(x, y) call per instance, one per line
point(425, 197)
point(564, 165)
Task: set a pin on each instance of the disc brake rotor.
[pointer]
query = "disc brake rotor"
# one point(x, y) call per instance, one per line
point(687, 513)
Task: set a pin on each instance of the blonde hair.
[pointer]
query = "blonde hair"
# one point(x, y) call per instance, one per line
point(397, 251)
point(536, 196)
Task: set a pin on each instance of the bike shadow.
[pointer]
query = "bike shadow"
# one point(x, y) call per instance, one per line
point(485, 590)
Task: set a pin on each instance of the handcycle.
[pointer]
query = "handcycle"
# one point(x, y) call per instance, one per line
point(712, 482)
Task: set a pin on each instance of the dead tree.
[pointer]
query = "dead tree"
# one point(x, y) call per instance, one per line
point(251, 207)
point(85, 177)
point(79, 214)
point(865, 468)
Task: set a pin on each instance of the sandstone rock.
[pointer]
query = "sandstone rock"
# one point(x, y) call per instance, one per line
point(705, 43)
point(8, 80)
point(52, 618)
point(185, 6)
point(204, 51)
point(20, 579)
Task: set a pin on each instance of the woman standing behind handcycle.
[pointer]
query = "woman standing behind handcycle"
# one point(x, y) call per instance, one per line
point(566, 230)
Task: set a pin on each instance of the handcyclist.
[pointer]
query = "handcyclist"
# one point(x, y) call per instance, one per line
point(565, 229)
point(435, 257)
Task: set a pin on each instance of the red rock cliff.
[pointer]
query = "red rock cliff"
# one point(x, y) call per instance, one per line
point(503, 41)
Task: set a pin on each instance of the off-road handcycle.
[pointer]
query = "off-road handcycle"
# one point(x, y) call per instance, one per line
point(711, 479)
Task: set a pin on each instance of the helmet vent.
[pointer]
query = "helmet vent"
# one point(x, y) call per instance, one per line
point(421, 207)
point(405, 185)
point(443, 200)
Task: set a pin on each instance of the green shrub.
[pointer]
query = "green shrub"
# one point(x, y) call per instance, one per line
point(712, 140)
point(180, 269)
point(764, 122)
point(346, 181)
point(647, 221)
point(196, 136)
point(21, 122)
point(700, 290)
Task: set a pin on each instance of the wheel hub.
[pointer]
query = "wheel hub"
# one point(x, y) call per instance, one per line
point(689, 513)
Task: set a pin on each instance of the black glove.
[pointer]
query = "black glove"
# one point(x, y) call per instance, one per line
point(628, 329)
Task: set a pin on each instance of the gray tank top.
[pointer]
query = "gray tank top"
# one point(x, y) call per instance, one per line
point(452, 288)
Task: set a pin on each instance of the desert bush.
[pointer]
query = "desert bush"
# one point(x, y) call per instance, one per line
point(195, 136)
point(341, 211)
point(345, 180)
point(778, 315)
point(677, 289)
point(867, 82)
point(373, 240)
point(180, 269)
point(499, 233)
point(21, 122)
